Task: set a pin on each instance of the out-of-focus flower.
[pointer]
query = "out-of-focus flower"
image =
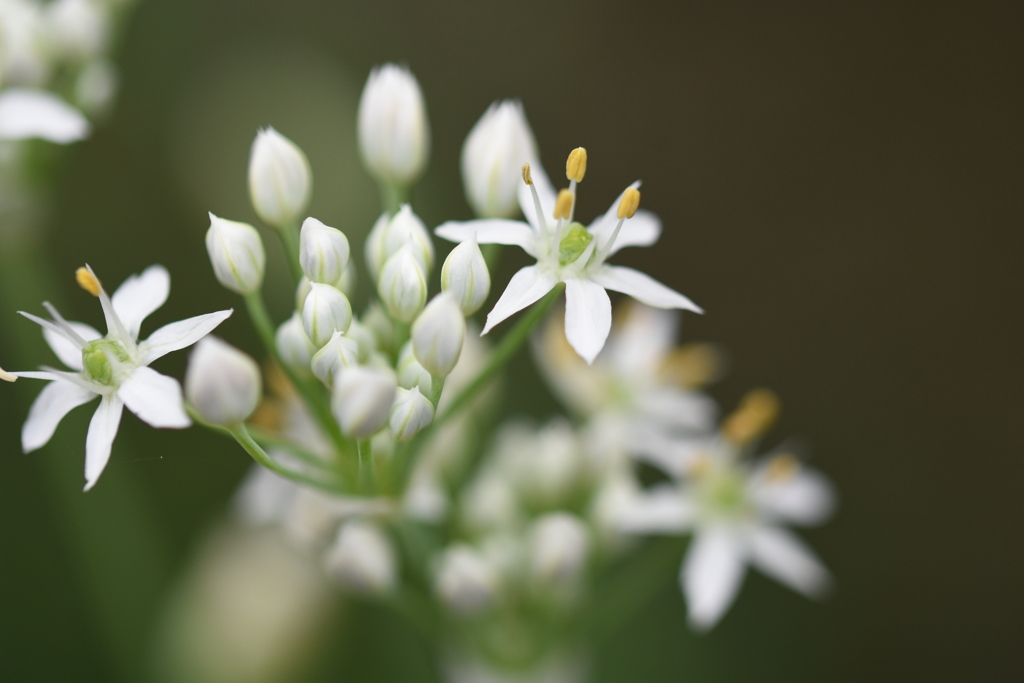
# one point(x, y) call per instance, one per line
point(559, 544)
point(389, 234)
point(114, 367)
point(568, 252)
point(222, 384)
point(394, 136)
point(363, 399)
point(362, 559)
point(76, 30)
point(495, 151)
point(337, 354)
point(280, 180)
point(26, 113)
point(293, 346)
point(464, 581)
point(465, 275)
point(410, 413)
point(236, 253)
point(438, 333)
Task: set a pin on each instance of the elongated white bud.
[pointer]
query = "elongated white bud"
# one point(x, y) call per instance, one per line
point(559, 544)
point(464, 581)
point(337, 354)
point(325, 311)
point(280, 180)
point(402, 287)
point(323, 252)
point(362, 559)
point(236, 253)
point(362, 400)
point(437, 335)
point(465, 275)
point(492, 160)
point(394, 136)
point(293, 345)
point(222, 384)
point(410, 413)
point(391, 234)
point(410, 372)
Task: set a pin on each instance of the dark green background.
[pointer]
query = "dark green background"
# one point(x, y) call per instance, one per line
point(841, 187)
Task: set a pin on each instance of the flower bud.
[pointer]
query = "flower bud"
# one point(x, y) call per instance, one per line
point(222, 384)
point(301, 292)
point(76, 29)
point(362, 400)
point(438, 333)
point(394, 136)
point(347, 282)
point(410, 372)
point(362, 335)
point(390, 234)
point(280, 180)
point(411, 412)
point(293, 346)
point(402, 288)
point(464, 582)
point(325, 312)
point(558, 548)
point(465, 275)
point(382, 327)
point(362, 559)
point(236, 252)
point(492, 159)
point(323, 252)
point(336, 355)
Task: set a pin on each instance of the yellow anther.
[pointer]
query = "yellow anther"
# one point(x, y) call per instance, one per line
point(6, 376)
point(629, 203)
point(563, 205)
point(757, 412)
point(782, 468)
point(692, 366)
point(527, 178)
point(576, 165)
point(88, 281)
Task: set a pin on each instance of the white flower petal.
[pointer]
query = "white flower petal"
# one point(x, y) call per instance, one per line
point(664, 509)
point(140, 295)
point(102, 430)
point(806, 497)
point(526, 286)
point(27, 113)
point(156, 399)
point(782, 555)
point(179, 335)
point(671, 454)
point(588, 317)
point(67, 351)
point(642, 287)
point(490, 231)
point(55, 401)
point(712, 573)
point(678, 409)
point(545, 191)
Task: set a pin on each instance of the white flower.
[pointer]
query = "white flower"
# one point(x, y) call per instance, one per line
point(495, 151)
point(362, 400)
point(338, 353)
point(362, 559)
point(394, 136)
point(464, 581)
point(323, 252)
point(559, 544)
point(293, 346)
point(76, 29)
point(236, 253)
point(389, 234)
point(325, 311)
point(113, 367)
point(410, 413)
point(736, 511)
point(23, 51)
point(27, 113)
point(402, 287)
point(437, 335)
point(222, 384)
point(571, 253)
point(280, 180)
point(410, 372)
point(465, 275)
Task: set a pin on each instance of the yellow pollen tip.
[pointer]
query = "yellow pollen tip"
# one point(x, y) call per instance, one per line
point(782, 468)
point(6, 376)
point(87, 281)
point(527, 178)
point(563, 205)
point(629, 203)
point(576, 165)
point(757, 412)
point(692, 366)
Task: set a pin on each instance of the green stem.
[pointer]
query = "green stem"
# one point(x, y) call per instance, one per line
point(392, 197)
point(367, 468)
point(242, 436)
point(289, 235)
point(273, 441)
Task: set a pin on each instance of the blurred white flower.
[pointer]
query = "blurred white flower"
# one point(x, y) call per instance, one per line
point(559, 545)
point(363, 399)
point(27, 113)
point(495, 151)
point(222, 384)
point(362, 559)
point(464, 581)
point(410, 413)
point(280, 180)
point(293, 346)
point(338, 353)
point(394, 136)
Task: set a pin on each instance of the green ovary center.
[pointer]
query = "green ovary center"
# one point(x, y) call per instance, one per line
point(577, 239)
point(725, 492)
point(105, 362)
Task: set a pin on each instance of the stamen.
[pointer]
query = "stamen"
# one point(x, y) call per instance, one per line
point(757, 412)
point(88, 281)
point(527, 178)
point(6, 376)
point(563, 205)
point(782, 468)
point(629, 203)
point(576, 165)
point(115, 327)
point(53, 327)
point(59, 319)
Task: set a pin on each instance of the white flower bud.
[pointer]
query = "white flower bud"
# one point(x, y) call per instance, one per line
point(222, 384)
point(95, 87)
point(410, 372)
point(463, 581)
point(465, 275)
point(437, 335)
point(394, 136)
point(325, 312)
point(389, 235)
point(362, 335)
point(559, 544)
point(293, 346)
point(301, 292)
point(76, 29)
point(362, 400)
point(347, 282)
point(337, 354)
point(236, 252)
point(402, 287)
point(323, 252)
point(362, 559)
point(411, 412)
point(382, 327)
point(280, 180)
point(493, 157)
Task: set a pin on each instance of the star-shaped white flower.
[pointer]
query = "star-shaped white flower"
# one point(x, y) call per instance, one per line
point(113, 367)
point(571, 253)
